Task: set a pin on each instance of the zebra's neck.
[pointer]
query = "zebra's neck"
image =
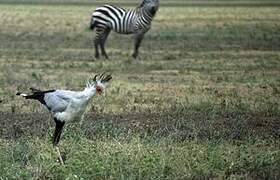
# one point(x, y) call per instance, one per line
point(145, 15)
point(143, 20)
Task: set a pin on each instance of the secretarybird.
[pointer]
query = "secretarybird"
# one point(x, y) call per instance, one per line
point(67, 106)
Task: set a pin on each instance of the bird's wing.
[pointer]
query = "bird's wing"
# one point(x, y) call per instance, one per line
point(57, 101)
point(66, 94)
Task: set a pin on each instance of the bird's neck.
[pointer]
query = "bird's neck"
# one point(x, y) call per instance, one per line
point(89, 92)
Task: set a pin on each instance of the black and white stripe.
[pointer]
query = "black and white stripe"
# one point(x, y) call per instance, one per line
point(109, 17)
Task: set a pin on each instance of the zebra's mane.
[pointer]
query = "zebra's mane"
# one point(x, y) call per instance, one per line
point(142, 4)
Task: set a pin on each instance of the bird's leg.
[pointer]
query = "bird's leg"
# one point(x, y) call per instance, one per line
point(59, 155)
point(58, 130)
point(82, 120)
point(56, 137)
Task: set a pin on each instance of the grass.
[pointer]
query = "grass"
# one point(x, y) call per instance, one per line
point(202, 101)
point(141, 159)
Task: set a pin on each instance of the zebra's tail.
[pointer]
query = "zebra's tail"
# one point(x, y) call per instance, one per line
point(92, 24)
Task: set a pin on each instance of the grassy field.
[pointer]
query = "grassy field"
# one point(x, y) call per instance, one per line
point(201, 102)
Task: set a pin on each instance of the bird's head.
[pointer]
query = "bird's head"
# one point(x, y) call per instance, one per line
point(99, 82)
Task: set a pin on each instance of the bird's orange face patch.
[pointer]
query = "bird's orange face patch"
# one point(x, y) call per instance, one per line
point(99, 89)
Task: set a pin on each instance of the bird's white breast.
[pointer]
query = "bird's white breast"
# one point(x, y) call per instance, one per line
point(74, 110)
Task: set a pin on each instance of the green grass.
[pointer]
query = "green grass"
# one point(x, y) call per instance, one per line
point(202, 100)
point(141, 159)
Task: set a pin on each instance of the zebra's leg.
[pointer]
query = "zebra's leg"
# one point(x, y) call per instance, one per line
point(97, 40)
point(103, 41)
point(96, 43)
point(137, 41)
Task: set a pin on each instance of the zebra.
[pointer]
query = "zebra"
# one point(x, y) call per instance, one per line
point(137, 22)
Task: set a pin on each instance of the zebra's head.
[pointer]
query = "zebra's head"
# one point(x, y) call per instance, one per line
point(150, 5)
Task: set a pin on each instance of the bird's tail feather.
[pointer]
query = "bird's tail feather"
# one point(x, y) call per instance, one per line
point(31, 96)
point(36, 94)
point(21, 94)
